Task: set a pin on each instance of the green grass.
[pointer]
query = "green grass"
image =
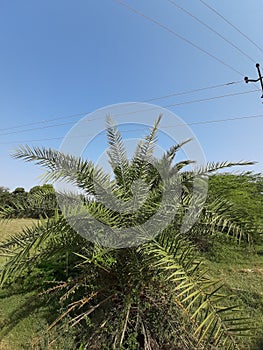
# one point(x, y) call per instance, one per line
point(24, 315)
point(21, 317)
point(21, 320)
point(241, 269)
point(11, 227)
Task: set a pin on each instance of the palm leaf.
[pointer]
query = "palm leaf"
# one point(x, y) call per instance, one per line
point(197, 295)
point(41, 239)
point(144, 153)
point(66, 167)
point(117, 154)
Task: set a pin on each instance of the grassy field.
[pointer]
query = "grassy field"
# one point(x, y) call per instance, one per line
point(241, 269)
point(22, 319)
point(11, 227)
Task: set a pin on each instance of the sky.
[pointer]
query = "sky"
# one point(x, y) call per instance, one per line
point(61, 60)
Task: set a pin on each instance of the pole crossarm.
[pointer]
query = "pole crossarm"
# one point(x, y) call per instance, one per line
point(256, 80)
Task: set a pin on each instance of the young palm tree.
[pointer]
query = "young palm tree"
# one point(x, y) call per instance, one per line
point(139, 290)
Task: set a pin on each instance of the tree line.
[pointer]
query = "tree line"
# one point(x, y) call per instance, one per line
point(243, 191)
point(39, 201)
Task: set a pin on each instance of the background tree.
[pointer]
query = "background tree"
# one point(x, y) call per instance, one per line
point(245, 192)
point(40, 201)
point(5, 196)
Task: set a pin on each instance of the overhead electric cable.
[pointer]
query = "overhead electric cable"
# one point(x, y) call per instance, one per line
point(133, 112)
point(178, 36)
point(33, 129)
point(43, 121)
point(192, 91)
point(211, 29)
point(257, 116)
point(186, 92)
point(211, 98)
point(232, 25)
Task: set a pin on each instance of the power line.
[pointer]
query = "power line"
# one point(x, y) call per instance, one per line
point(178, 36)
point(232, 25)
point(226, 119)
point(147, 109)
point(44, 121)
point(147, 100)
point(193, 91)
point(211, 29)
point(33, 129)
point(257, 116)
point(211, 98)
point(187, 102)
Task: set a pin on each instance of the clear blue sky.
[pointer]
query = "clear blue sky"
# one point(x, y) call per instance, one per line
point(64, 57)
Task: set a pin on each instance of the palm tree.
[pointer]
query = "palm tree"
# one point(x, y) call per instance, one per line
point(136, 289)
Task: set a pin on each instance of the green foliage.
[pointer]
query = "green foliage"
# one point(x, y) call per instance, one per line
point(5, 197)
point(241, 268)
point(245, 192)
point(156, 295)
point(40, 201)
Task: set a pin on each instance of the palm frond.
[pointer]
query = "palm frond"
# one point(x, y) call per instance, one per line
point(199, 297)
point(143, 155)
point(24, 248)
point(117, 154)
point(65, 167)
point(16, 210)
point(171, 153)
point(211, 167)
point(41, 203)
point(221, 217)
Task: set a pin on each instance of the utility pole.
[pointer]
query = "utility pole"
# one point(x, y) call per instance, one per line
point(255, 80)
